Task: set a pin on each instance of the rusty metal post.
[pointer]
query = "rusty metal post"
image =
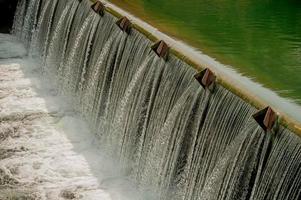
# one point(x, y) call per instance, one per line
point(206, 78)
point(124, 24)
point(161, 49)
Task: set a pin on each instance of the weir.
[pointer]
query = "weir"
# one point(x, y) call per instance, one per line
point(180, 132)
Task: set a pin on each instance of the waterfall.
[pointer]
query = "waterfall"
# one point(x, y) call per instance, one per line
point(18, 19)
point(169, 134)
point(54, 46)
point(30, 21)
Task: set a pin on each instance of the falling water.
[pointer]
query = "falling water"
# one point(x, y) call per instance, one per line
point(57, 47)
point(39, 41)
point(30, 21)
point(18, 19)
point(170, 134)
point(54, 45)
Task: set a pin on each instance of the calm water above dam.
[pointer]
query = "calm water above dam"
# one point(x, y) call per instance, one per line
point(259, 38)
point(88, 111)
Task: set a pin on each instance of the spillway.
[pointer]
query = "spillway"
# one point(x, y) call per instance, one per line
point(168, 133)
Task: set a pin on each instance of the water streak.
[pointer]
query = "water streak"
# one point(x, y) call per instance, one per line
point(170, 134)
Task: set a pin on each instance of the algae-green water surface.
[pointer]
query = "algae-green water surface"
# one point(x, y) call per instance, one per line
point(259, 38)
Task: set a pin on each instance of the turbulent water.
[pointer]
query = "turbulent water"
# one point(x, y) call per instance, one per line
point(168, 133)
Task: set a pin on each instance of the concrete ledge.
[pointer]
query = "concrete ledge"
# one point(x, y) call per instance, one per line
point(251, 92)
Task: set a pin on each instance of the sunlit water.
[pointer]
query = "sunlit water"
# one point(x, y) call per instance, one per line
point(260, 38)
point(168, 133)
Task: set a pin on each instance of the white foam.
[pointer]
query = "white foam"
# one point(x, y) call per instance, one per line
point(48, 149)
point(10, 47)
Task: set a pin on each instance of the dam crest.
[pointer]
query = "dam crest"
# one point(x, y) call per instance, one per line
point(172, 128)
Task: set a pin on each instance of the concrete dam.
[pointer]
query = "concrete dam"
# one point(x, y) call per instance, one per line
point(92, 108)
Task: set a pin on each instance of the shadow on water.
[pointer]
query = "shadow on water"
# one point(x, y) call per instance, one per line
point(7, 11)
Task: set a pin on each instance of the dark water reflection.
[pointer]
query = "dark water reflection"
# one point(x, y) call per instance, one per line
point(260, 38)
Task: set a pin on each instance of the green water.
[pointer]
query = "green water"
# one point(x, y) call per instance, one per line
point(259, 38)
